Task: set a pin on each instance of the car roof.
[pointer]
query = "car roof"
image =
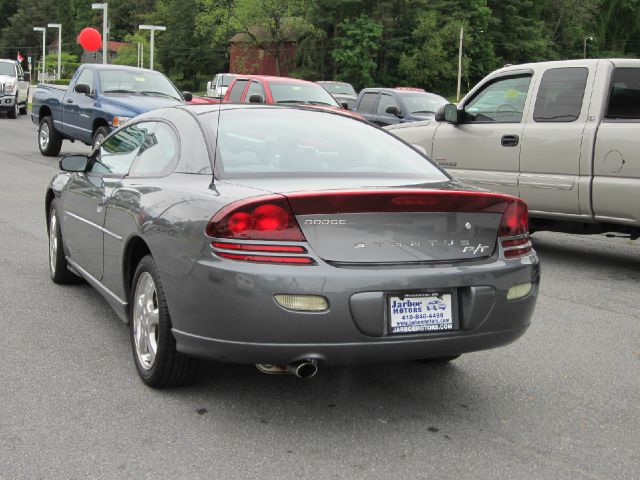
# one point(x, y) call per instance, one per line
point(202, 109)
point(7, 60)
point(333, 81)
point(273, 78)
point(103, 66)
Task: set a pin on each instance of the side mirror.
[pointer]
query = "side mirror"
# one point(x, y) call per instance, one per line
point(448, 113)
point(74, 163)
point(256, 99)
point(27, 76)
point(187, 96)
point(208, 85)
point(83, 88)
point(393, 110)
point(344, 105)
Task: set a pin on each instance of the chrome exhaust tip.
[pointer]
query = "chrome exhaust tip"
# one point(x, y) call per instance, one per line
point(303, 368)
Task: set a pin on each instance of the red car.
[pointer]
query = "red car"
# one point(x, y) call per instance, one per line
point(281, 90)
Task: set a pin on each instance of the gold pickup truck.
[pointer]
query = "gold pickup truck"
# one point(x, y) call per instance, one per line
point(564, 136)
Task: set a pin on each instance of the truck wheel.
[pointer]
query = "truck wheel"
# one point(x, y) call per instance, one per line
point(99, 136)
point(13, 113)
point(49, 140)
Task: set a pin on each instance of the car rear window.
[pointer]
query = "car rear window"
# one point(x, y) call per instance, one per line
point(289, 92)
point(422, 102)
point(284, 142)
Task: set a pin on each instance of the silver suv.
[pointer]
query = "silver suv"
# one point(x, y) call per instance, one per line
point(14, 88)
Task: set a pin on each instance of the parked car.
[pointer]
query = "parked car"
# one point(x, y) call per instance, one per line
point(343, 92)
point(561, 135)
point(390, 106)
point(14, 88)
point(218, 86)
point(99, 99)
point(284, 91)
point(320, 239)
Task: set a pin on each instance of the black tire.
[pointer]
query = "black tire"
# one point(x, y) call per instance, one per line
point(13, 113)
point(23, 108)
point(439, 360)
point(58, 267)
point(49, 140)
point(168, 367)
point(99, 136)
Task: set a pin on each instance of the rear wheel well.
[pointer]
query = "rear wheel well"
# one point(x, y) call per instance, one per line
point(136, 250)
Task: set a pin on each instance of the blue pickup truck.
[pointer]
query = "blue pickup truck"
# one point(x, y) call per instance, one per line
point(99, 99)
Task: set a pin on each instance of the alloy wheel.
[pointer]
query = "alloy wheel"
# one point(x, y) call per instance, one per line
point(53, 242)
point(146, 315)
point(43, 138)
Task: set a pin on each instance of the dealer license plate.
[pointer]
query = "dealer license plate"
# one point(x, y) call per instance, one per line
point(419, 313)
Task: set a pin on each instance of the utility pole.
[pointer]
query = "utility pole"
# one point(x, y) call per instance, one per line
point(44, 48)
point(59, 27)
point(153, 29)
point(460, 63)
point(105, 32)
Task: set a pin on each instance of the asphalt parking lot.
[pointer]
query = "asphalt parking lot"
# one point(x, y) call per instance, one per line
point(560, 403)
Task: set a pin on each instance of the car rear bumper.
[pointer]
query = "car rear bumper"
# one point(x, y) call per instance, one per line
point(224, 310)
point(439, 345)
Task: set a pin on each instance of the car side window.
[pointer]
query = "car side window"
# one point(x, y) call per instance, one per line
point(385, 102)
point(158, 153)
point(560, 95)
point(86, 78)
point(367, 102)
point(236, 90)
point(501, 101)
point(116, 153)
point(624, 96)
point(255, 88)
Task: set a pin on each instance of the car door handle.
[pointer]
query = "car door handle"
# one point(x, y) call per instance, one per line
point(69, 100)
point(510, 140)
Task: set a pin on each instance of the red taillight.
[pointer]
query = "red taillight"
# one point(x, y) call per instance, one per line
point(266, 258)
point(260, 248)
point(515, 219)
point(261, 218)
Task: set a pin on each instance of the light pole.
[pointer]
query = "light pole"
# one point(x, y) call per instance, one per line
point(59, 27)
point(153, 29)
point(44, 47)
point(105, 42)
point(585, 44)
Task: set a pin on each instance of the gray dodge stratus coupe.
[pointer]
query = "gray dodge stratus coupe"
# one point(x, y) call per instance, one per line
point(286, 237)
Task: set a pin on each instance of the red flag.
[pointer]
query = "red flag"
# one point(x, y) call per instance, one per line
point(20, 58)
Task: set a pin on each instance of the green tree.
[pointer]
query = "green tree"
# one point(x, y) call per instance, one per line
point(69, 64)
point(357, 43)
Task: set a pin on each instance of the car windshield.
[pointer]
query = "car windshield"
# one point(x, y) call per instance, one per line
point(137, 82)
point(421, 102)
point(289, 92)
point(339, 88)
point(8, 69)
point(288, 142)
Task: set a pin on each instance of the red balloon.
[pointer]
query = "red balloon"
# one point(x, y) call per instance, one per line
point(90, 39)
